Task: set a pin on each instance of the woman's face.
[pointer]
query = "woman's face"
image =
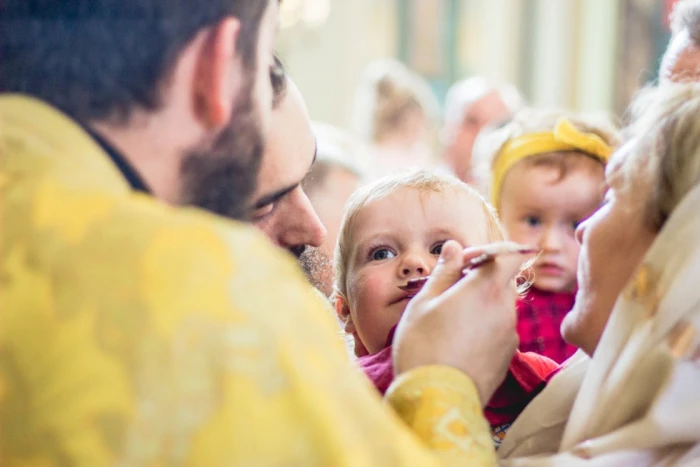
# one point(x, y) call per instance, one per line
point(613, 242)
point(414, 126)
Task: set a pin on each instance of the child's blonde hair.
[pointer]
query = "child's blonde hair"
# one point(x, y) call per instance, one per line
point(421, 180)
point(490, 146)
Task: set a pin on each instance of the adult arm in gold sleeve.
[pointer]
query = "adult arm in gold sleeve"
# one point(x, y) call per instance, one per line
point(441, 405)
point(137, 334)
point(214, 352)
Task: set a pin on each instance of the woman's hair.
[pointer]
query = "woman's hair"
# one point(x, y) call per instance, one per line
point(491, 141)
point(421, 180)
point(686, 16)
point(388, 91)
point(665, 132)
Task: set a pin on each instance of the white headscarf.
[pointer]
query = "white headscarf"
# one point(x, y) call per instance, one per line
point(639, 402)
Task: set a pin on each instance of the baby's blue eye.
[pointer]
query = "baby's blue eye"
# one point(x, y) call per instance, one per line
point(382, 253)
point(437, 249)
point(533, 221)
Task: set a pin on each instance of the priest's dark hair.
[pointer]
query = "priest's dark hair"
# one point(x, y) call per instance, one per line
point(101, 59)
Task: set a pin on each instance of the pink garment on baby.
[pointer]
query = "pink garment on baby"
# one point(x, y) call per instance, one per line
point(528, 374)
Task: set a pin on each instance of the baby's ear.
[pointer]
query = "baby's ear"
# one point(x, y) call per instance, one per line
point(343, 311)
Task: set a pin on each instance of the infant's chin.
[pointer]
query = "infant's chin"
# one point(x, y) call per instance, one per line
point(554, 285)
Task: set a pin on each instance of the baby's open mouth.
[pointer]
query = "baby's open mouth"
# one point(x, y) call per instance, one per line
point(413, 286)
point(411, 289)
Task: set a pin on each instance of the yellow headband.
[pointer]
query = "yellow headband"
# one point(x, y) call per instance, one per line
point(565, 137)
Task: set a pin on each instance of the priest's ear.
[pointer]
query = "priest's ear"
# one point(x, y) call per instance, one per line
point(343, 311)
point(219, 74)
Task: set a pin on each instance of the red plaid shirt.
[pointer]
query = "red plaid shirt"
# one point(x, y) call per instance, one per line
point(528, 374)
point(539, 318)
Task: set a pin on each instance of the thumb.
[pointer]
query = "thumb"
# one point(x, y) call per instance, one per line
point(447, 271)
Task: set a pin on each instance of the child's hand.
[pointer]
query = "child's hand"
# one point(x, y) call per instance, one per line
point(466, 322)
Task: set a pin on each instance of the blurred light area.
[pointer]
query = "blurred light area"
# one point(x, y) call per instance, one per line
point(308, 13)
point(579, 54)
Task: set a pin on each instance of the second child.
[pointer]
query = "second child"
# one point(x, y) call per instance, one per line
point(546, 174)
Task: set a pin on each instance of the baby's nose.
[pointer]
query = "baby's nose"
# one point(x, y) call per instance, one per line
point(415, 264)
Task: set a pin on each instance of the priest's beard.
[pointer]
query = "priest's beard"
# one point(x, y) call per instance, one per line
point(222, 176)
point(318, 269)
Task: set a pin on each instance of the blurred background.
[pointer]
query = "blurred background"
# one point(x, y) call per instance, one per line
point(579, 54)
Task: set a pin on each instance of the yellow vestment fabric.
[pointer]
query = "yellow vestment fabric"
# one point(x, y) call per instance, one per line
point(137, 334)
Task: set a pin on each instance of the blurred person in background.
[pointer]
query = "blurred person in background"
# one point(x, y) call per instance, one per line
point(470, 106)
point(336, 174)
point(681, 61)
point(480, 176)
point(394, 111)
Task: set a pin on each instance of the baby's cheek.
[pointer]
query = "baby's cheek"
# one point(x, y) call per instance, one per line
point(520, 234)
point(364, 296)
point(372, 320)
point(356, 292)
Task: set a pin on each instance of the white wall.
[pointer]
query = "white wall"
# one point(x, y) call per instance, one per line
point(569, 61)
point(327, 63)
point(489, 38)
point(553, 65)
point(597, 52)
